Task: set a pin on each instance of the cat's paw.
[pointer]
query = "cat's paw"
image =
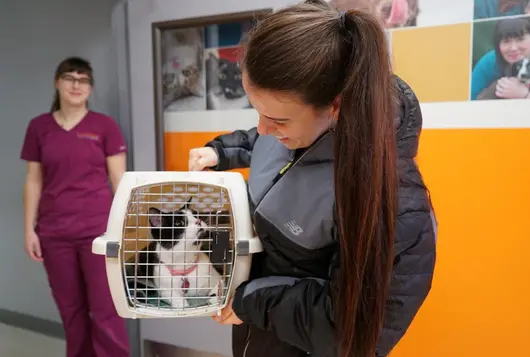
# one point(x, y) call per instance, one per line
point(179, 302)
point(213, 299)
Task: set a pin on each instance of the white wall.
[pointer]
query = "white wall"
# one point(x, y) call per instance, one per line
point(34, 37)
point(141, 14)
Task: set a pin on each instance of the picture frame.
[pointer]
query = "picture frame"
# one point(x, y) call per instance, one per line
point(196, 69)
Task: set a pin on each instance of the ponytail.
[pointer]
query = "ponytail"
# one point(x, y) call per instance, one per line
point(323, 58)
point(56, 104)
point(365, 185)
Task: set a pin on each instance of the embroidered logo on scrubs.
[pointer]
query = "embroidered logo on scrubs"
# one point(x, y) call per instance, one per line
point(89, 136)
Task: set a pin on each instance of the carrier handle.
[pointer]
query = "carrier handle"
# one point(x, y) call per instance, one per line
point(102, 246)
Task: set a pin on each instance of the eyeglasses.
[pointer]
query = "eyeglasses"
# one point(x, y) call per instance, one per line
point(85, 81)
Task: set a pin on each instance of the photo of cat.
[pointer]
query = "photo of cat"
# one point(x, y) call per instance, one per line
point(200, 69)
point(223, 80)
point(183, 74)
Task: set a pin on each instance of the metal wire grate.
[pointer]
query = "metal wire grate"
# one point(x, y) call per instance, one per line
point(178, 246)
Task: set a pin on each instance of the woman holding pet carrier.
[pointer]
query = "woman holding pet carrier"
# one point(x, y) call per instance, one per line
point(72, 153)
point(336, 197)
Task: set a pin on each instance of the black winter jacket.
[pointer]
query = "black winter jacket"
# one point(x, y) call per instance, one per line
point(286, 305)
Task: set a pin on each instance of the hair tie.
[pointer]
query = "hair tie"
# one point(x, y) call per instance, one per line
point(342, 19)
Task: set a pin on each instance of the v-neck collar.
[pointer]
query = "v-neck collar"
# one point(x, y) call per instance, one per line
point(72, 128)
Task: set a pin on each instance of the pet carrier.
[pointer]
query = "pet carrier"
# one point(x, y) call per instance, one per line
point(177, 243)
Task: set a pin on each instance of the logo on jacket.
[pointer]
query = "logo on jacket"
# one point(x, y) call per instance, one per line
point(294, 228)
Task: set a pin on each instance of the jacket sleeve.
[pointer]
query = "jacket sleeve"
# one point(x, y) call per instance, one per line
point(234, 149)
point(300, 311)
point(412, 275)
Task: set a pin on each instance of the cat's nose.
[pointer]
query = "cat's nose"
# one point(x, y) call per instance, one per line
point(198, 222)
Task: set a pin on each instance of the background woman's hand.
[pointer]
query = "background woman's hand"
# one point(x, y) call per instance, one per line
point(511, 88)
point(32, 246)
point(202, 158)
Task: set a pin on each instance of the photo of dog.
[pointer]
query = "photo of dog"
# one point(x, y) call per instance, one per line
point(519, 70)
point(500, 61)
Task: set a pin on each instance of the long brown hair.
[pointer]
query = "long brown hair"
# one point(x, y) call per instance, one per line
point(320, 54)
point(70, 64)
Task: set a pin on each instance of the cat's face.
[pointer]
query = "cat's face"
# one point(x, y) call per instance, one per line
point(230, 79)
point(180, 231)
point(228, 76)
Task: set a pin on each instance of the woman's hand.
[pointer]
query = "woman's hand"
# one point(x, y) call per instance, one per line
point(201, 158)
point(32, 246)
point(511, 88)
point(228, 316)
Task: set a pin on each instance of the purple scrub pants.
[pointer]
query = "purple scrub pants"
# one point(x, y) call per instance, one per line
point(78, 281)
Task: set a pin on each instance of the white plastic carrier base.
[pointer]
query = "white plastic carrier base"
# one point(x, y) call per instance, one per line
point(177, 244)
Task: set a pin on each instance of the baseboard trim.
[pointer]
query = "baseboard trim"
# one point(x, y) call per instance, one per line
point(157, 349)
point(32, 323)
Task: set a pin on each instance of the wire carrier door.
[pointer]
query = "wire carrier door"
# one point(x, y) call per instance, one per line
point(177, 243)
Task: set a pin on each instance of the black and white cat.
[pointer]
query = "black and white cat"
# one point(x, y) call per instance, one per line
point(224, 83)
point(181, 269)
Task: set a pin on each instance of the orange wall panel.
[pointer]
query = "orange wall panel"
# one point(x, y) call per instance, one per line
point(480, 185)
point(435, 61)
point(178, 144)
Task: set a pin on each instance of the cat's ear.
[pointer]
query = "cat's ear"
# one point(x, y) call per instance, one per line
point(186, 205)
point(155, 217)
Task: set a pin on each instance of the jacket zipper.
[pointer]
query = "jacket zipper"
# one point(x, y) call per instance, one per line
point(247, 343)
point(280, 174)
point(289, 166)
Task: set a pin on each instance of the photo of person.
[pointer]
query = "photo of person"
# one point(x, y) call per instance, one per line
point(485, 9)
point(501, 59)
point(183, 74)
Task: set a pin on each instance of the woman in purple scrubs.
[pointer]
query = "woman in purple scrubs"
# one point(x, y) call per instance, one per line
point(72, 153)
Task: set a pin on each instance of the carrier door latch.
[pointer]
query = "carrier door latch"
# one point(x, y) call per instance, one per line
point(248, 246)
point(112, 249)
point(243, 248)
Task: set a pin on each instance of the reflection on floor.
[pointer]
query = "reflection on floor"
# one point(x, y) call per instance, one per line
point(15, 342)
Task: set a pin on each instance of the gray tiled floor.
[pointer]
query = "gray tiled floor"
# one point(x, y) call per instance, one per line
point(15, 342)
